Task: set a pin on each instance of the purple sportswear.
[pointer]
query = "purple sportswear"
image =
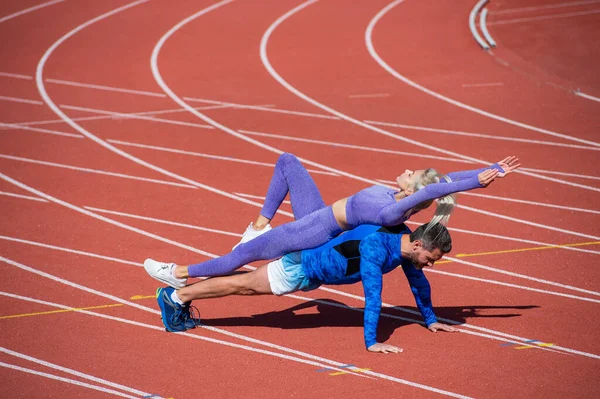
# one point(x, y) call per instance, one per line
point(315, 223)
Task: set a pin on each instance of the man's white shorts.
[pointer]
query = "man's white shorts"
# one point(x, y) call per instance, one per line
point(286, 275)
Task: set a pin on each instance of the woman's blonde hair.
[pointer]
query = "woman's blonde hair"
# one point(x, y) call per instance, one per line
point(445, 204)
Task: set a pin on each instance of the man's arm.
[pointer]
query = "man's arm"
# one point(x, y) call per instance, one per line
point(373, 255)
point(421, 289)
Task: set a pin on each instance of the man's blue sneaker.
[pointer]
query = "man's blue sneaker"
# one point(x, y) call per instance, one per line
point(188, 314)
point(173, 314)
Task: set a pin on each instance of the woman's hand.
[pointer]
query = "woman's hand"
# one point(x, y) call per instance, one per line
point(487, 176)
point(509, 164)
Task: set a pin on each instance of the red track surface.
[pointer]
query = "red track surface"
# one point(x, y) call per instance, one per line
point(321, 51)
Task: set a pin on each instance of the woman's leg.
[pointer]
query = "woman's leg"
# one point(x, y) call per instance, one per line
point(312, 230)
point(290, 176)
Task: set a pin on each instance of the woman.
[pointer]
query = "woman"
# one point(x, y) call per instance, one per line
point(317, 223)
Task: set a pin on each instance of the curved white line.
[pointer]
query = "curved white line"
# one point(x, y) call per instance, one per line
point(30, 9)
point(484, 29)
point(284, 83)
point(75, 372)
point(397, 75)
point(44, 94)
point(473, 28)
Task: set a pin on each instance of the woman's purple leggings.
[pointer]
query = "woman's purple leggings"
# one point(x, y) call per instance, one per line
point(314, 224)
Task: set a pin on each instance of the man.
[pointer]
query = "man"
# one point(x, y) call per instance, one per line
point(364, 253)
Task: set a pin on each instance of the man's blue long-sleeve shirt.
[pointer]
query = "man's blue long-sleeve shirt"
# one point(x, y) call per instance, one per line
point(366, 253)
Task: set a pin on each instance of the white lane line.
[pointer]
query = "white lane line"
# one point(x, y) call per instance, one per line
point(21, 100)
point(472, 16)
point(377, 95)
point(122, 115)
point(260, 197)
point(484, 29)
point(278, 78)
point(263, 108)
point(106, 88)
point(30, 9)
point(67, 380)
point(486, 136)
point(383, 314)
point(508, 238)
point(210, 156)
point(470, 326)
point(520, 287)
point(74, 251)
point(12, 126)
point(28, 197)
point(162, 221)
point(390, 70)
point(545, 7)
point(16, 75)
point(350, 146)
point(525, 277)
point(588, 96)
point(161, 329)
point(492, 84)
point(96, 171)
point(543, 18)
point(543, 226)
point(508, 199)
point(550, 172)
point(74, 372)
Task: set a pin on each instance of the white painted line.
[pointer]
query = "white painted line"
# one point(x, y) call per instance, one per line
point(48, 246)
point(509, 238)
point(30, 9)
point(486, 136)
point(16, 75)
point(588, 96)
point(278, 78)
point(21, 100)
point(520, 287)
point(369, 95)
point(542, 226)
point(67, 380)
point(263, 108)
point(537, 8)
point(12, 126)
point(161, 329)
point(551, 172)
point(508, 199)
point(75, 372)
point(493, 84)
point(106, 88)
point(544, 17)
point(538, 280)
point(354, 147)
point(472, 16)
point(28, 197)
point(390, 70)
point(260, 198)
point(210, 156)
point(97, 171)
point(162, 221)
point(134, 116)
point(454, 322)
point(484, 29)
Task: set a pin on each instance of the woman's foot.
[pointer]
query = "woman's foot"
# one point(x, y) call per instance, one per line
point(251, 233)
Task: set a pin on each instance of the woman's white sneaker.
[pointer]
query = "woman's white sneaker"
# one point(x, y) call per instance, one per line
point(163, 272)
point(251, 233)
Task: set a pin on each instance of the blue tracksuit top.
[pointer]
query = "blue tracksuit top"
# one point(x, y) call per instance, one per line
point(366, 253)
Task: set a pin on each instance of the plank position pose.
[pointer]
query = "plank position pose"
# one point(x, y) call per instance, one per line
point(364, 253)
point(317, 223)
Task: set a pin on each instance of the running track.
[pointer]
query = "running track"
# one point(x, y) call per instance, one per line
point(149, 129)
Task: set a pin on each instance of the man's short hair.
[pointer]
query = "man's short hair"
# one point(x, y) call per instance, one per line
point(436, 236)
